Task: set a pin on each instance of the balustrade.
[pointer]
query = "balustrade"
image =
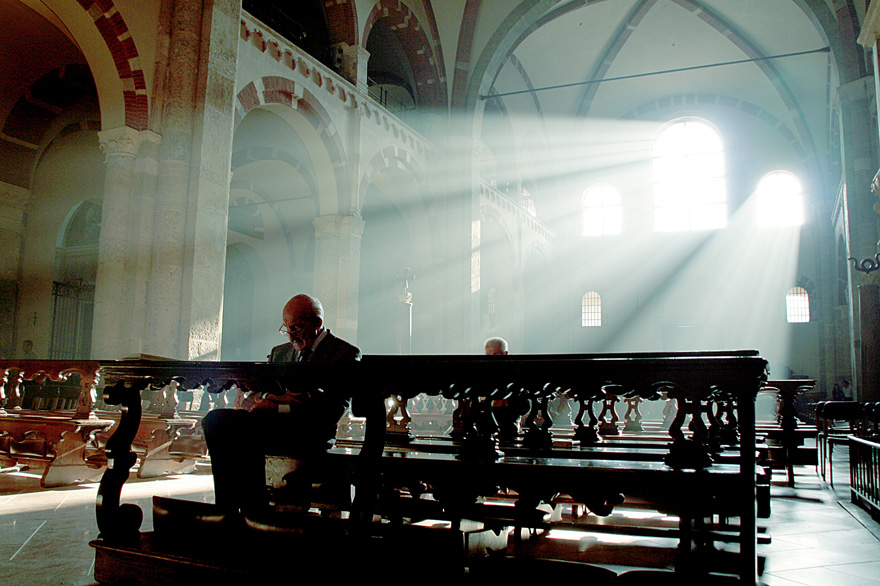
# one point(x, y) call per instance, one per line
point(707, 389)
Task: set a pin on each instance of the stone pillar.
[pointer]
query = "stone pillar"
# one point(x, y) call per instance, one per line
point(337, 271)
point(120, 146)
point(187, 267)
point(352, 64)
point(862, 221)
point(164, 289)
point(208, 202)
point(859, 137)
point(454, 172)
point(868, 388)
point(141, 244)
point(868, 38)
point(13, 203)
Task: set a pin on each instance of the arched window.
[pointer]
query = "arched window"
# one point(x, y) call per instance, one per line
point(797, 305)
point(591, 310)
point(780, 200)
point(601, 210)
point(689, 178)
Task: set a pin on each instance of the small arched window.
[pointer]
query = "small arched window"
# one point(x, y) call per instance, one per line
point(591, 310)
point(797, 305)
point(689, 178)
point(780, 200)
point(601, 210)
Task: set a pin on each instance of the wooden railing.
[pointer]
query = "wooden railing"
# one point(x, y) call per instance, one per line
point(864, 474)
point(714, 393)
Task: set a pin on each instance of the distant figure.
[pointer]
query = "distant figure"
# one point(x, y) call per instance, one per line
point(27, 350)
point(507, 412)
point(836, 393)
point(495, 347)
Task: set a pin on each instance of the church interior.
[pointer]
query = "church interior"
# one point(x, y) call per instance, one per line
point(575, 176)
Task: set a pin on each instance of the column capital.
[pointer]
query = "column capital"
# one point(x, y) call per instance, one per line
point(338, 226)
point(14, 196)
point(352, 64)
point(858, 89)
point(871, 26)
point(124, 141)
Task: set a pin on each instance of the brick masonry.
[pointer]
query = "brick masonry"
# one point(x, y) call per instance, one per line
point(111, 25)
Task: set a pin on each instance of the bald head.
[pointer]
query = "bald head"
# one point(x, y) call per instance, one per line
point(303, 316)
point(495, 347)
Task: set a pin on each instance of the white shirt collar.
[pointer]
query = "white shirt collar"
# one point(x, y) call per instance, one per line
point(320, 337)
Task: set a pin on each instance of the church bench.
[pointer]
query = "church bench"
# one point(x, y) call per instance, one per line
point(689, 378)
point(61, 444)
point(61, 447)
point(479, 465)
point(68, 444)
point(785, 434)
point(161, 444)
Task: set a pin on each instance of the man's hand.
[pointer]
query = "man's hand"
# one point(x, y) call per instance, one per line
point(272, 402)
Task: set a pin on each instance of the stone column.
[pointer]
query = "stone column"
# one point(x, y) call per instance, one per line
point(868, 387)
point(862, 221)
point(164, 288)
point(859, 137)
point(141, 244)
point(208, 203)
point(868, 38)
point(189, 237)
point(352, 64)
point(120, 146)
point(454, 173)
point(13, 203)
point(337, 271)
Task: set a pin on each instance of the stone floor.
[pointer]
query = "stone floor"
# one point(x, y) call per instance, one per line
point(818, 537)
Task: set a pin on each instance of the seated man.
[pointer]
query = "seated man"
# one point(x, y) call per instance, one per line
point(299, 424)
point(508, 412)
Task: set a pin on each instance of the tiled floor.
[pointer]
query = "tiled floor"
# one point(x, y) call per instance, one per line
point(818, 537)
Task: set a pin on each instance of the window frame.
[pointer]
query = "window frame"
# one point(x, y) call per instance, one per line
point(797, 305)
point(687, 208)
point(591, 310)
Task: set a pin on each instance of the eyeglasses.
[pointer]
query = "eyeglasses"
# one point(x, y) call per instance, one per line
point(286, 330)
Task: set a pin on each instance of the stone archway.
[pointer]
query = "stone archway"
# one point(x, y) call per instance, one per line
point(285, 92)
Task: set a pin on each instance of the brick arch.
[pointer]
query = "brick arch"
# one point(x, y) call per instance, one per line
point(113, 29)
point(403, 160)
point(342, 22)
point(420, 51)
point(841, 32)
point(392, 158)
point(284, 91)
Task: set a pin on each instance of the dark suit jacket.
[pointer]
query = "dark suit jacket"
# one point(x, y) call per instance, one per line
point(323, 410)
point(331, 349)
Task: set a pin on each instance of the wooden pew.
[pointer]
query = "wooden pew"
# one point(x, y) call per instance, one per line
point(686, 479)
point(690, 379)
point(786, 435)
point(63, 445)
point(173, 554)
